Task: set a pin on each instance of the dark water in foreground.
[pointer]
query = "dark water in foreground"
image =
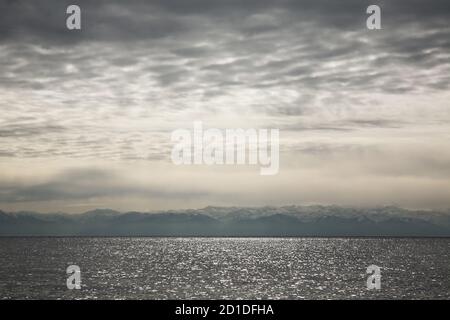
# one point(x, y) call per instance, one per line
point(224, 268)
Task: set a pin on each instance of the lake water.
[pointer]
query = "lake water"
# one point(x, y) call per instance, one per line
point(224, 268)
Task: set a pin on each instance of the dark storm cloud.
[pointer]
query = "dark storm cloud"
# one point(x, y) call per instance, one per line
point(161, 57)
point(139, 19)
point(76, 184)
point(274, 43)
point(139, 69)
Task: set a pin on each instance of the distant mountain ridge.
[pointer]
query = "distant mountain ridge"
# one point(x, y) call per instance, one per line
point(315, 220)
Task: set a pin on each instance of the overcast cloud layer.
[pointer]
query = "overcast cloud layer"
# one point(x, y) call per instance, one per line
point(86, 115)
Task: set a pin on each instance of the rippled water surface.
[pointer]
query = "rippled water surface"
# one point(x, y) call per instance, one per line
point(224, 268)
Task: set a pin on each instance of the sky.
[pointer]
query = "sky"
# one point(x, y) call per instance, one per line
point(86, 115)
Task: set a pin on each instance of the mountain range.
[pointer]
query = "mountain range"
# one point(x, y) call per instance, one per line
point(317, 220)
